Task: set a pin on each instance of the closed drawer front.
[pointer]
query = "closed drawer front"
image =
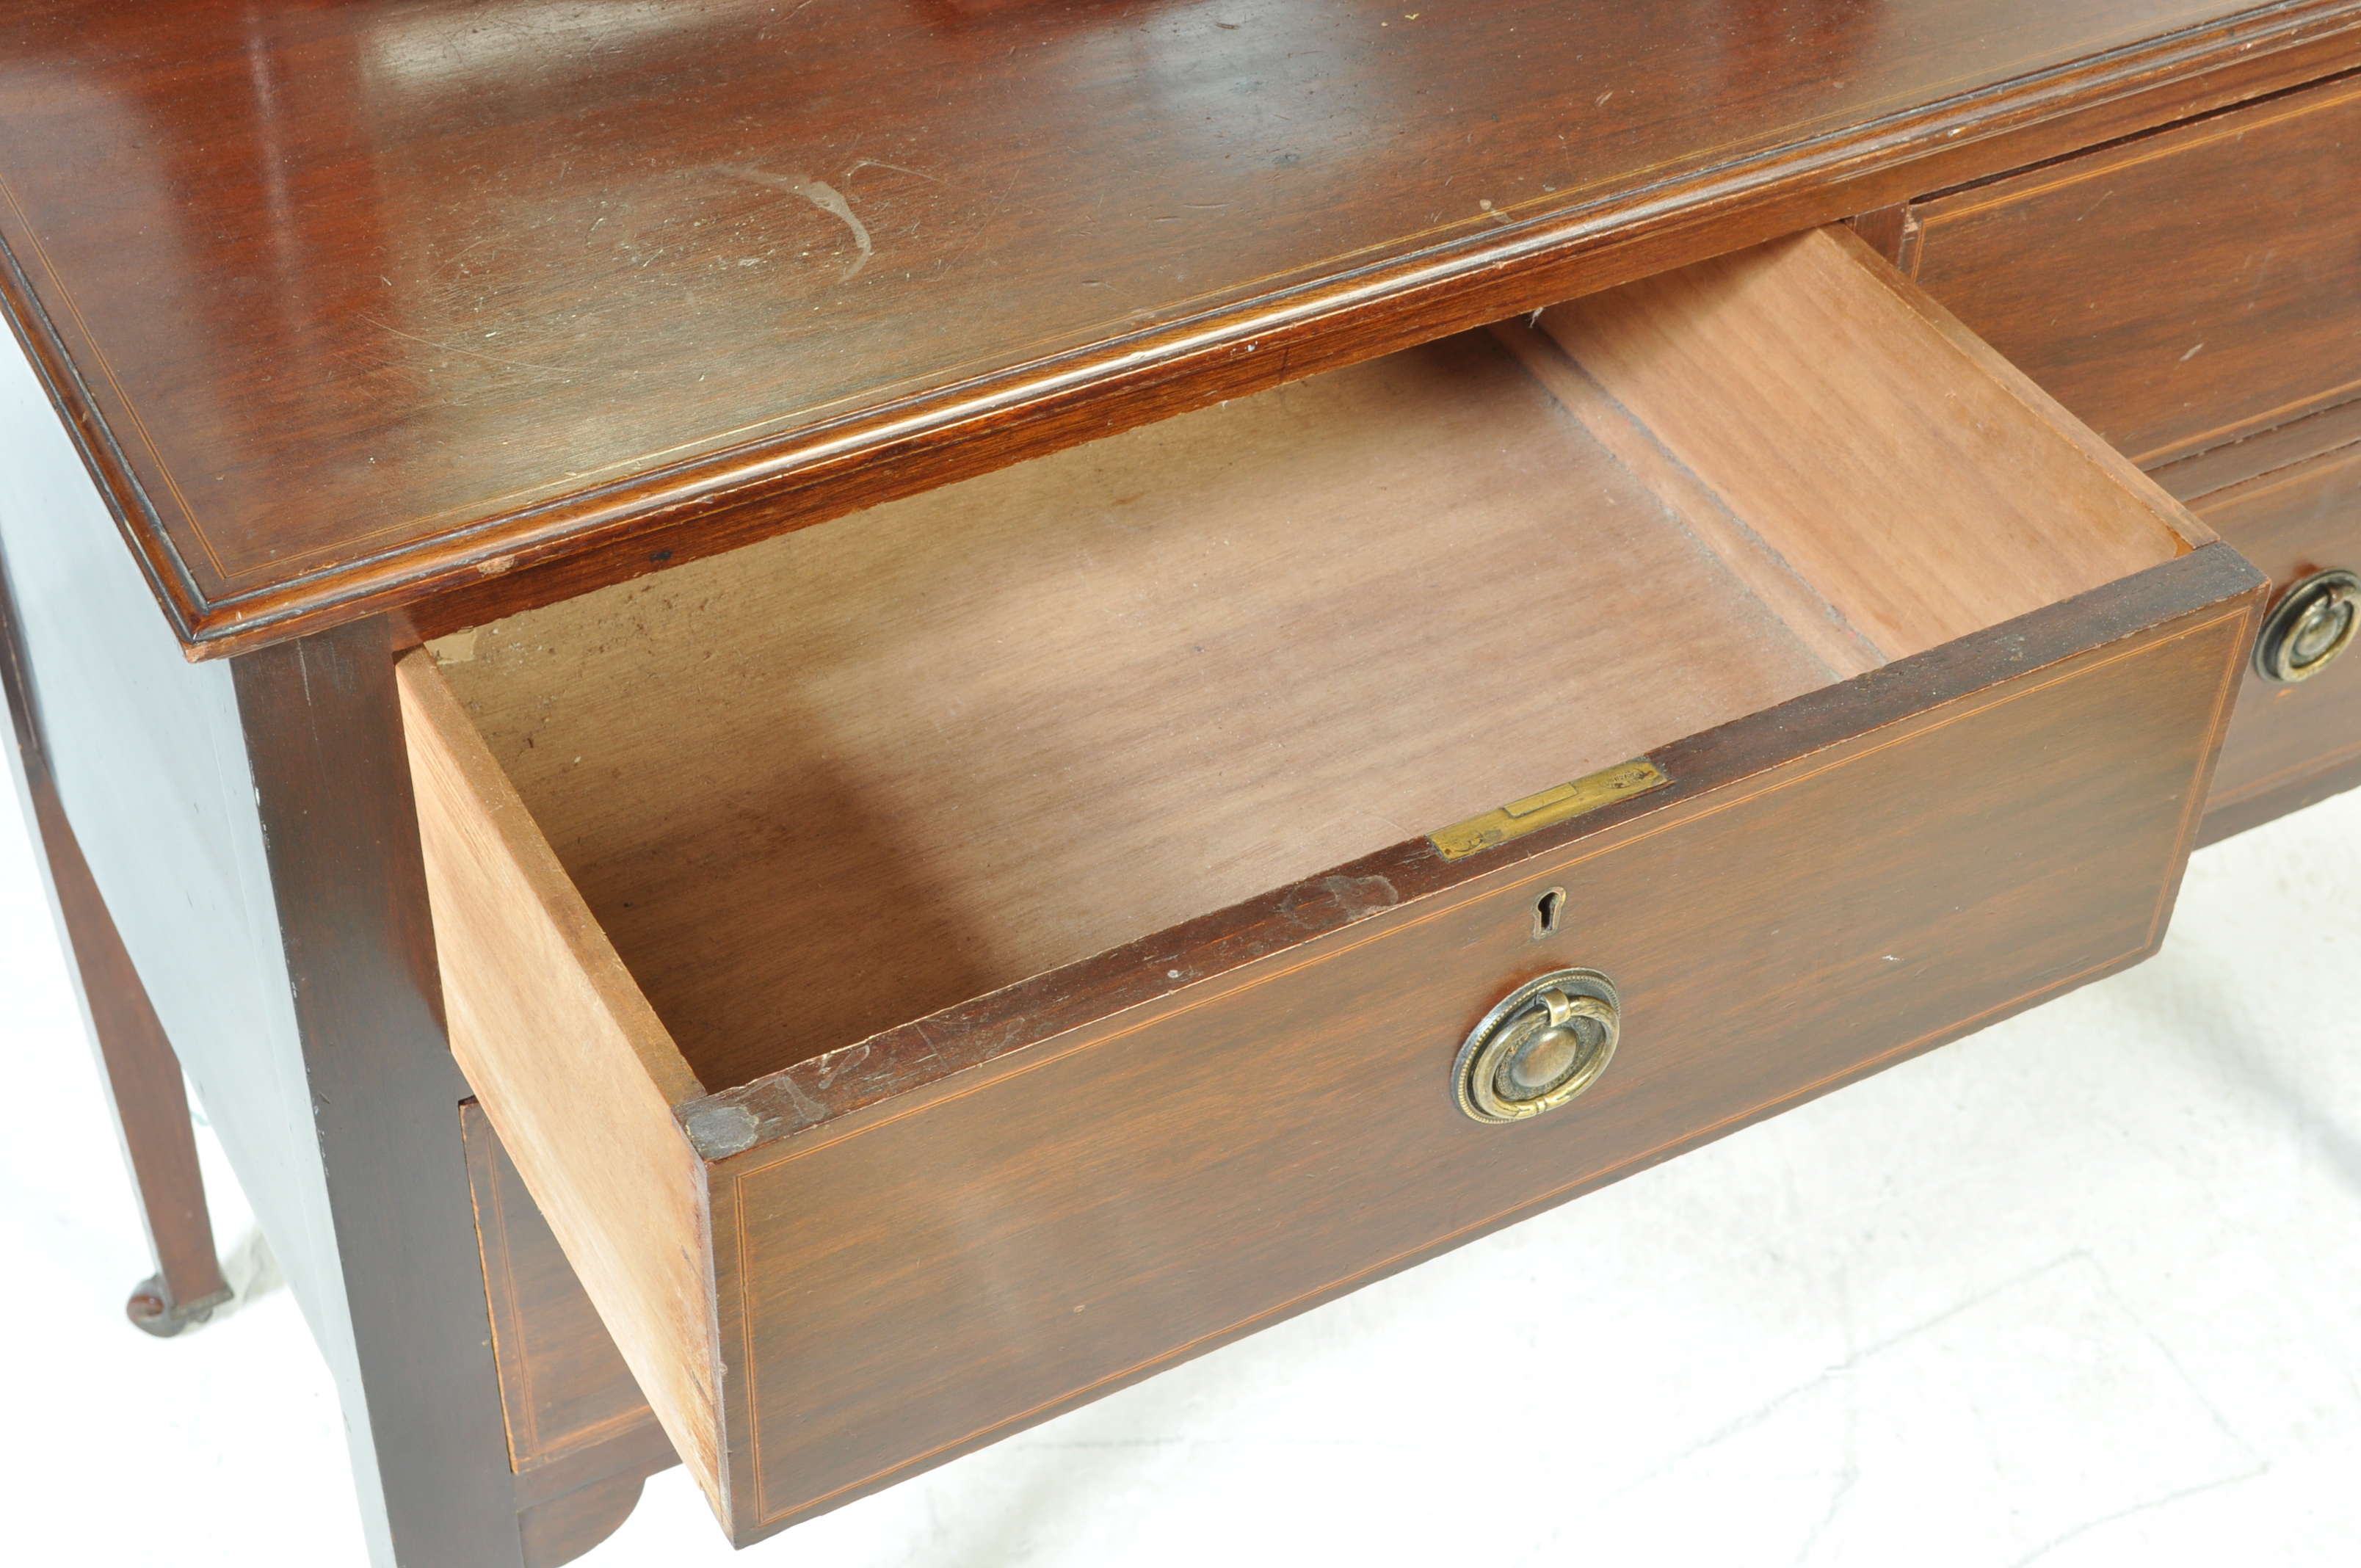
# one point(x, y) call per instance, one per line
point(2177, 290)
point(566, 1398)
point(936, 966)
point(2290, 744)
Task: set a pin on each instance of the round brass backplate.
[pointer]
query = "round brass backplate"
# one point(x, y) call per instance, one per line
point(1546, 1042)
point(2311, 624)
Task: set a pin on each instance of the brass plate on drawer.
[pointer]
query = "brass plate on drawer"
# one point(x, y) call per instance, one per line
point(1556, 804)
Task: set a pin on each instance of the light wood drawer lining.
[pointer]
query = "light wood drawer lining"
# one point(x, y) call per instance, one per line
point(1002, 726)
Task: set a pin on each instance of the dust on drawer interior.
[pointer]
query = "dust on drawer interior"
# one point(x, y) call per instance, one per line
point(840, 780)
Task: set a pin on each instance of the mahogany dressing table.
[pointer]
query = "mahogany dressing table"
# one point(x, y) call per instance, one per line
point(824, 727)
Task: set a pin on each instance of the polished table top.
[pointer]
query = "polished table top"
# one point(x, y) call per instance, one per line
point(360, 306)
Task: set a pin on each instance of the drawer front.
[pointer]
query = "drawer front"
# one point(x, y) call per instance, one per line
point(2290, 745)
point(1827, 887)
point(2177, 290)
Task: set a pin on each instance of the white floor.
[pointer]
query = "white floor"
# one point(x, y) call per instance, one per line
point(2086, 1288)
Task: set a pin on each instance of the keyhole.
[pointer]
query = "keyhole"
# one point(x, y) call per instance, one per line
point(1546, 910)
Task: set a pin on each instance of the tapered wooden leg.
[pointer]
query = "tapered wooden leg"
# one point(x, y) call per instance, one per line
point(151, 1104)
point(142, 1076)
point(149, 1097)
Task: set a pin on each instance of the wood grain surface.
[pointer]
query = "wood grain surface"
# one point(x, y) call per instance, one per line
point(995, 730)
point(2290, 523)
point(384, 305)
point(1853, 877)
point(1922, 486)
point(2292, 793)
point(570, 1064)
point(2216, 468)
point(897, 761)
point(1766, 574)
point(2177, 290)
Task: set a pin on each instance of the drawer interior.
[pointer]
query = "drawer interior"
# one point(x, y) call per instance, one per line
point(834, 782)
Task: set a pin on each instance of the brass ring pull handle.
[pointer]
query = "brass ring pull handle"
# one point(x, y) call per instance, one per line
point(1546, 1042)
point(2310, 625)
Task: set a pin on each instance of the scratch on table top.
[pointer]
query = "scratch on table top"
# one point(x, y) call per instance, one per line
point(820, 194)
point(469, 353)
point(861, 163)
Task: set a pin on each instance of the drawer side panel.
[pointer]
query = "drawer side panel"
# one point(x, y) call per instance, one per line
point(564, 1055)
point(946, 1272)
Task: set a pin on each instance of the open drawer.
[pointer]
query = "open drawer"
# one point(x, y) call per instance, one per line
point(936, 966)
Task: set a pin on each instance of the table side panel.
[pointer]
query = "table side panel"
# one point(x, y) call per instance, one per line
point(150, 764)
